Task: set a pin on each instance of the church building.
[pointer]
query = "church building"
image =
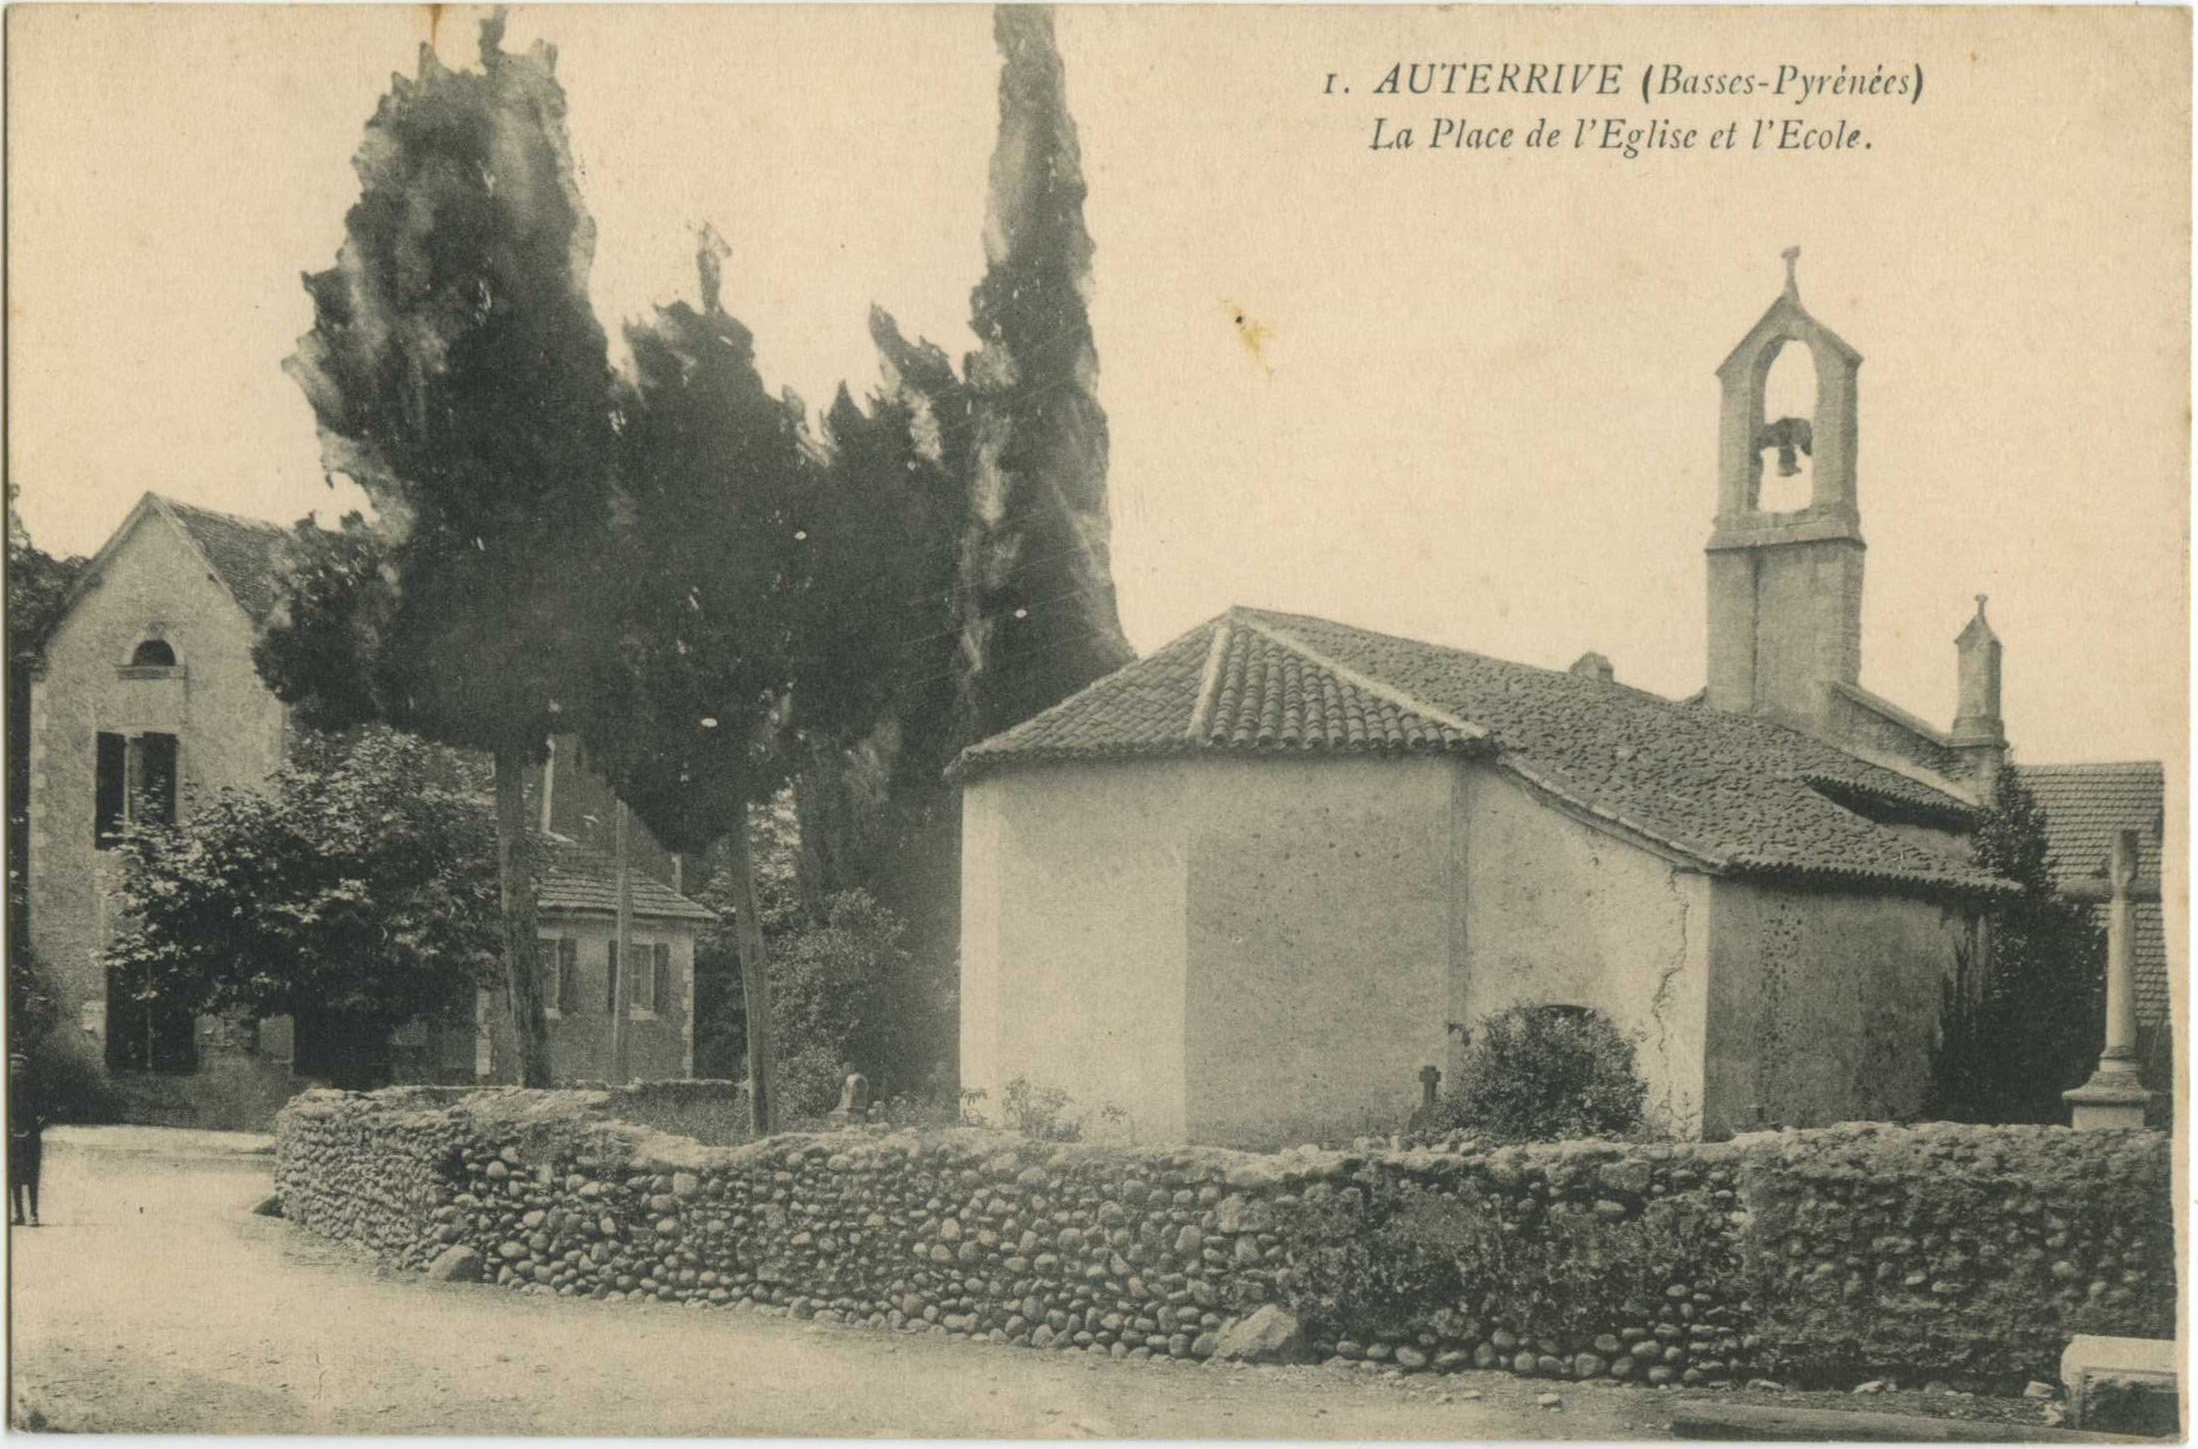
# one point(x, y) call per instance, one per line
point(1245, 890)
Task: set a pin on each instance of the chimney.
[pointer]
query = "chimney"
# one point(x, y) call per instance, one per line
point(1593, 666)
point(1978, 735)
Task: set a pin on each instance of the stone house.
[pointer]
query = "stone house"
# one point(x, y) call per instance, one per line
point(145, 698)
point(1247, 888)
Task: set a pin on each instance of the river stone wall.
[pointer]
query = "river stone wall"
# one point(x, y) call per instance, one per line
point(1969, 1253)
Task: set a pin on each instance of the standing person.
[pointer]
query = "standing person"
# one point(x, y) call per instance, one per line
point(26, 1140)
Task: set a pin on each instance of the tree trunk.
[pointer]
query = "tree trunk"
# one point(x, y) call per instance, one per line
point(622, 981)
point(755, 981)
point(515, 881)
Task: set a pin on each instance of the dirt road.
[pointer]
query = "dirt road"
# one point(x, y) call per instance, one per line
point(155, 1302)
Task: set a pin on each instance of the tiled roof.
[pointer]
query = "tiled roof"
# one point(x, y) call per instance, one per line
point(2084, 806)
point(1256, 696)
point(242, 551)
point(1732, 792)
point(573, 878)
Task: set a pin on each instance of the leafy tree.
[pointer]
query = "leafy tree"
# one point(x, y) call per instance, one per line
point(37, 585)
point(458, 375)
point(355, 893)
point(876, 813)
point(835, 968)
point(1008, 601)
point(1035, 591)
point(2024, 1025)
point(717, 602)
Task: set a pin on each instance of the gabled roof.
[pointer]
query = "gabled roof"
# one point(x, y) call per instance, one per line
point(1728, 793)
point(574, 878)
point(240, 553)
point(2084, 806)
point(1787, 317)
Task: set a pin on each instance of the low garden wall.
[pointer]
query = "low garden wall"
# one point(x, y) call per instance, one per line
point(1960, 1252)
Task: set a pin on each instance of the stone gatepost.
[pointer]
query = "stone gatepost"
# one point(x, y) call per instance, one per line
point(2114, 1097)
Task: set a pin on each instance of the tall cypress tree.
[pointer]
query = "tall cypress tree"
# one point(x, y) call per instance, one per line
point(1011, 608)
point(457, 374)
point(1034, 594)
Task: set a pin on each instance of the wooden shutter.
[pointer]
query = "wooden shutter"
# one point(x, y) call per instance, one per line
point(109, 790)
point(545, 969)
point(661, 995)
point(610, 978)
point(568, 974)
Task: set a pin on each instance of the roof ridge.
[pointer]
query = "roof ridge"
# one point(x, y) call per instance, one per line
point(1432, 644)
point(1871, 700)
point(1379, 688)
point(1209, 683)
point(263, 524)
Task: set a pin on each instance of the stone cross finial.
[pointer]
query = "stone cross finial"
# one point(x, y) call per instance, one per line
point(1793, 284)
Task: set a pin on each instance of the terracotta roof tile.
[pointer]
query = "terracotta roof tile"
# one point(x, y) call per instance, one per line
point(242, 551)
point(1257, 696)
point(1734, 792)
point(574, 878)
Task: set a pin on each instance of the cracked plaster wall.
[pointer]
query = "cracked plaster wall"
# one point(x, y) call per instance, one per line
point(1559, 911)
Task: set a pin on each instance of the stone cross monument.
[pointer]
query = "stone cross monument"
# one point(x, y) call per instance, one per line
point(2114, 1097)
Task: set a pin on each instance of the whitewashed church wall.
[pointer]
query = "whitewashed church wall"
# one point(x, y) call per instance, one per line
point(1323, 916)
point(1073, 939)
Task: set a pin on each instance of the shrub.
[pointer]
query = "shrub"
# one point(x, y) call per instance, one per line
point(810, 1077)
point(1537, 1073)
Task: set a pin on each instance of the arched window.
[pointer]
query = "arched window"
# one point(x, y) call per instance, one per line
point(155, 652)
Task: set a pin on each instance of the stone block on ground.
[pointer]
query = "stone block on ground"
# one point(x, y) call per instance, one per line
point(458, 1263)
point(2126, 1385)
point(1269, 1335)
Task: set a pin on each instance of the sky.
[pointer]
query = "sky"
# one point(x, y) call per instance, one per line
point(1471, 398)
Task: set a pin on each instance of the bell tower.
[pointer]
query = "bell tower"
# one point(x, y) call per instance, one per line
point(1785, 587)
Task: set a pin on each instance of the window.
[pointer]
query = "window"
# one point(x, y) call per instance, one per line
point(652, 985)
point(157, 653)
point(134, 783)
point(153, 781)
point(557, 959)
point(610, 979)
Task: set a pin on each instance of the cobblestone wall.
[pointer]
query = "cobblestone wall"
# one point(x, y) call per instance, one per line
point(1793, 1254)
